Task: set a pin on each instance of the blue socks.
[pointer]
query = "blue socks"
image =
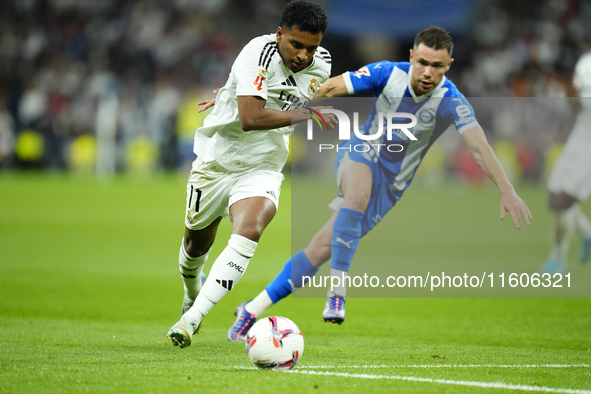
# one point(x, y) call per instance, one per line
point(345, 238)
point(346, 233)
point(294, 269)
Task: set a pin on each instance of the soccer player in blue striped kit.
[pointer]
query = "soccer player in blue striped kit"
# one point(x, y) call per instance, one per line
point(371, 182)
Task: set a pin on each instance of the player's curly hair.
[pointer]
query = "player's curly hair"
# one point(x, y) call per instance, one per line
point(305, 15)
point(436, 38)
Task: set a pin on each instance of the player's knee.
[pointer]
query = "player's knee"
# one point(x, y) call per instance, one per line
point(252, 231)
point(560, 201)
point(356, 199)
point(196, 249)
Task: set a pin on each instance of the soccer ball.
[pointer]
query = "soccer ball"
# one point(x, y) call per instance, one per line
point(274, 342)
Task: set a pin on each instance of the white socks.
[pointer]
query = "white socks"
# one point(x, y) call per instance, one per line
point(223, 277)
point(190, 269)
point(259, 304)
point(341, 289)
point(583, 222)
point(262, 302)
point(562, 230)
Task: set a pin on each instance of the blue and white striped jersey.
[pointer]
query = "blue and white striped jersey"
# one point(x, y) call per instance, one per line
point(442, 108)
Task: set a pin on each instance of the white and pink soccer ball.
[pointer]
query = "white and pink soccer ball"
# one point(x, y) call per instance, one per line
point(274, 342)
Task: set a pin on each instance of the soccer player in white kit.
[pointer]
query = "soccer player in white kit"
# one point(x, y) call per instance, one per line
point(570, 180)
point(241, 150)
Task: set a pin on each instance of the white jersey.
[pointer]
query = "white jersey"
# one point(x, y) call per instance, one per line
point(582, 79)
point(259, 71)
point(572, 173)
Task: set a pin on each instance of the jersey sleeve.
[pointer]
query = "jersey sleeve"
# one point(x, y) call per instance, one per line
point(458, 111)
point(326, 64)
point(251, 68)
point(371, 78)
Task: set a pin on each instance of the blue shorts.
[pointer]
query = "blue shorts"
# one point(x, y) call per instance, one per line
point(382, 199)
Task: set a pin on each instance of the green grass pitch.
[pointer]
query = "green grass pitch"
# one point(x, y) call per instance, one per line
point(89, 287)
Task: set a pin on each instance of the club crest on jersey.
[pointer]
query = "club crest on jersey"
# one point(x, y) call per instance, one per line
point(313, 87)
point(189, 218)
point(426, 116)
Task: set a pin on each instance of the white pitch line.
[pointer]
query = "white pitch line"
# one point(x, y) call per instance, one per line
point(450, 366)
point(495, 385)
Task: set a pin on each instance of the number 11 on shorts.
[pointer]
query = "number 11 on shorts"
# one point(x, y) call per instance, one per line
point(198, 191)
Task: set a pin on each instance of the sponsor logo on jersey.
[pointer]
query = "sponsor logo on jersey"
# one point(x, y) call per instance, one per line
point(291, 101)
point(467, 120)
point(313, 87)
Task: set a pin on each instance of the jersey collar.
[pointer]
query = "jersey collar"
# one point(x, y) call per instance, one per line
point(418, 99)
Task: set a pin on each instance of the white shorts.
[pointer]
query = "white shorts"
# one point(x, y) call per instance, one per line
point(212, 190)
point(572, 172)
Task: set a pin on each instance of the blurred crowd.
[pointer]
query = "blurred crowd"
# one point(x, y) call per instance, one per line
point(78, 75)
point(525, 48)
point(61, 61)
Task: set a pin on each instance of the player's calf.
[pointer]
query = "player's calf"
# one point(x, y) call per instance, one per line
point(191, 271)
point(188, 301)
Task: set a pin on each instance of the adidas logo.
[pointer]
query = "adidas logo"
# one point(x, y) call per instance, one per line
point(187, 276)
point(226, 284)
point(289, 81)
point(272, 193)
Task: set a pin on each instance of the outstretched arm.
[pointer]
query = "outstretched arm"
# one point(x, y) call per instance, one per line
point(488, 161)
point(254, 116)
point(333, 87)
